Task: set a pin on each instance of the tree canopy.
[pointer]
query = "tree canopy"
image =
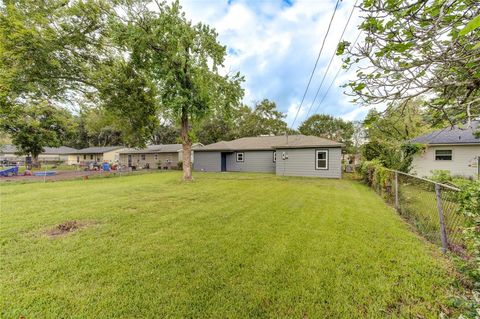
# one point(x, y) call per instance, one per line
point(419, 49)
point(327, 126)
point(389, 134)
point(181, 62)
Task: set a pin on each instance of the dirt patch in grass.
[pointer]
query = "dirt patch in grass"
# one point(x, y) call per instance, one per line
point(67, 227)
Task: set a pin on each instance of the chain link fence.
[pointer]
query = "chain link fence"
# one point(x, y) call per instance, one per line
point(431, 207)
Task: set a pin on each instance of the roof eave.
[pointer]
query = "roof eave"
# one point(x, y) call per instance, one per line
point(310, 146)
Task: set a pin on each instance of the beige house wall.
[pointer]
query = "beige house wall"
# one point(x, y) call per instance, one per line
point(464, 161)
point(168, 159)
point(42, 157)
point(112, 156)
point(12, 157)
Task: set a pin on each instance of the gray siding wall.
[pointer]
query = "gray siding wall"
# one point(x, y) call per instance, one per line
point(301, 162)
point(254, 161)
point(207, 161)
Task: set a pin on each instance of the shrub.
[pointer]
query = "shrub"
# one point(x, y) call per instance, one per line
point(376, 176)
point(441, 176)
point(180, 165)
point(469, 199)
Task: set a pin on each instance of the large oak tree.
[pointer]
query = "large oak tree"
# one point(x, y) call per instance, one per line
point(420, 49)
point(182, 61)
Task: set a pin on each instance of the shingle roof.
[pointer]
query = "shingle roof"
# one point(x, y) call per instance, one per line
point(8, 148)
point(451, 135)
point(160, 148)
point(270, 142)
point(59, 150)
point(97, 150)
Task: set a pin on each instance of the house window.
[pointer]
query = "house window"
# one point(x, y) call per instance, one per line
point(143, 157)
point(321, 159)
point(84, 157)
point(274, 157)
point(91, 157)
point(443, 155)
point(240, 157)
point(155, 157)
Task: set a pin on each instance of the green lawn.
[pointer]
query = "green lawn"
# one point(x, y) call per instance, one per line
point(224, 246)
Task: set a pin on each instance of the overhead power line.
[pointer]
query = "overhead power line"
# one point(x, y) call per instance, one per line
point(335, 77)
point(331, 59)
point(316, 63)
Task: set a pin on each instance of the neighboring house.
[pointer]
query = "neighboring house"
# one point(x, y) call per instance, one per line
point(293, 155)
point(167, 155)
point(7, 154)
point(454, 149)
point(56, 154)
point(50, 154)
point(85, 156)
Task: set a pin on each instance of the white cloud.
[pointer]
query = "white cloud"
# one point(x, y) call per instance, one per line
point(275, 44)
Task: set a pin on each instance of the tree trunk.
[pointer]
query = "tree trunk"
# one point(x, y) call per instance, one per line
point(187, 147)
point(35, 162)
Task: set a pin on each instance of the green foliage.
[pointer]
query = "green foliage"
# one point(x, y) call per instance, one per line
point(389, 134)
point(327, 126)
point(165, 133)
point(178, 64)
point(38, 125)
point(419, 48)
point(376, 176)
point(441, 176)
point(469, 199)
point(130, 98)
point(48, 50)
point(263, 119)
point(243, 121)
point(393, 156)
point(472, 25)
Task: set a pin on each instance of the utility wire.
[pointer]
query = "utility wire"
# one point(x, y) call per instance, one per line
point(316, 62)
point(331, 59)
point(335, 77)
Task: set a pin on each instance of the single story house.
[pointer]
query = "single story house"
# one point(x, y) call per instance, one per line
point(454, 149)
point(49, 155)
point(292, 155)
point(163, 155)
point(85, 156)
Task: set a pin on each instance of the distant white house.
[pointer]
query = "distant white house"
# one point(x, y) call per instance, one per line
point(8, 153)
point(453, 149)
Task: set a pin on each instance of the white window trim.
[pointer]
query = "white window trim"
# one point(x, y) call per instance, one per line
point(438, 160)
point(326, 159)
point(243, 156)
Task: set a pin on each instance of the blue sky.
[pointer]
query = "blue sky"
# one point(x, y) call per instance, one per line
point(274, 44)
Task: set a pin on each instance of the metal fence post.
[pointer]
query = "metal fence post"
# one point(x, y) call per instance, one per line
point(443, 232)
point(396, 190)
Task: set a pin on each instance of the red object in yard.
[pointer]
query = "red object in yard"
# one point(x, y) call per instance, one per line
point(85, 177)
point(27, 173)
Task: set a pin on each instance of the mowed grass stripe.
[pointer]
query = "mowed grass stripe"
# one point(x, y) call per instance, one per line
point(226, 245)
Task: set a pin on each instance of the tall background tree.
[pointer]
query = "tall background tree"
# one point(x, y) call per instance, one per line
point(47, 52)
point(181, 61)
point(327, 126)
point(390, 131)
point(37, 125)
point(263, 119)
point(419, 48)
